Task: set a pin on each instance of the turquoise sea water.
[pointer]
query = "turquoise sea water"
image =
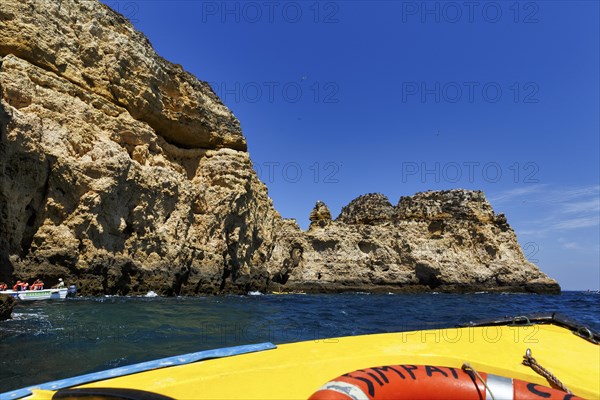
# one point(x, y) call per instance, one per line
point(57, 339)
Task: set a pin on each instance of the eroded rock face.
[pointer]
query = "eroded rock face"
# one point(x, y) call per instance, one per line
point(442, 241)
point(99, 51)
point(440, 205)
point(119, 171)
point(320, 216)
point(369, 209)
point(122, 173)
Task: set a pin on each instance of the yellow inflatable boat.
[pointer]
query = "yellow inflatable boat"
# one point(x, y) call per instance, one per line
point(538, 357)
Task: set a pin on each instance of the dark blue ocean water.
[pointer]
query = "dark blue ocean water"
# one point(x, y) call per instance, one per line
point(57, 339)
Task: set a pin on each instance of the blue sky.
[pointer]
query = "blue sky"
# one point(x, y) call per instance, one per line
point(342, 98)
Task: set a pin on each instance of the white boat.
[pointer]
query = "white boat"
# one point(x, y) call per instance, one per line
point(44, 294)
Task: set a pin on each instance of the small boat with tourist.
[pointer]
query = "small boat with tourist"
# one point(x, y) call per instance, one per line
point(24, 292)
point(42, 294)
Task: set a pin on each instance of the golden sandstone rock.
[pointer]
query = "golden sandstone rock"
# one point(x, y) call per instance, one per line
point(443, 241)
point(123, 173)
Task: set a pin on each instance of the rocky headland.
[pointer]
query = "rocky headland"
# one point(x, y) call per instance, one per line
point(449, 241)
point(122, 173)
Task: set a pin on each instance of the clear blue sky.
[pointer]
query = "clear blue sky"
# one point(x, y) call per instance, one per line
point(342, 98)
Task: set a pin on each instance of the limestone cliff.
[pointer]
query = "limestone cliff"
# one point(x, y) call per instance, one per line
point(122, 173)
point(118, 170)
point(443, 241)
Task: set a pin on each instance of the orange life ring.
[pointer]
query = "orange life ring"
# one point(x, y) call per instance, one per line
point(428, 382)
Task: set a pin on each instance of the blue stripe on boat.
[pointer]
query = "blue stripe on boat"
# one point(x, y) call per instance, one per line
point(141, 367)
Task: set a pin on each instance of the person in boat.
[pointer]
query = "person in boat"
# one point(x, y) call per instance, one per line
point(60, 284)
point(3, 286)
point(20, 286)
point(37, 285)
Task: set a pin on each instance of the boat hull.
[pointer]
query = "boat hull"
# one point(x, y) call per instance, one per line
point(34, 295)
point(297, 370)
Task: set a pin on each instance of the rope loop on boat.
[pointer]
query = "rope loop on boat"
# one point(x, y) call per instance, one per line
point(467, 367)
point(585, 333)
point(529, 361)
point(522, 320)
